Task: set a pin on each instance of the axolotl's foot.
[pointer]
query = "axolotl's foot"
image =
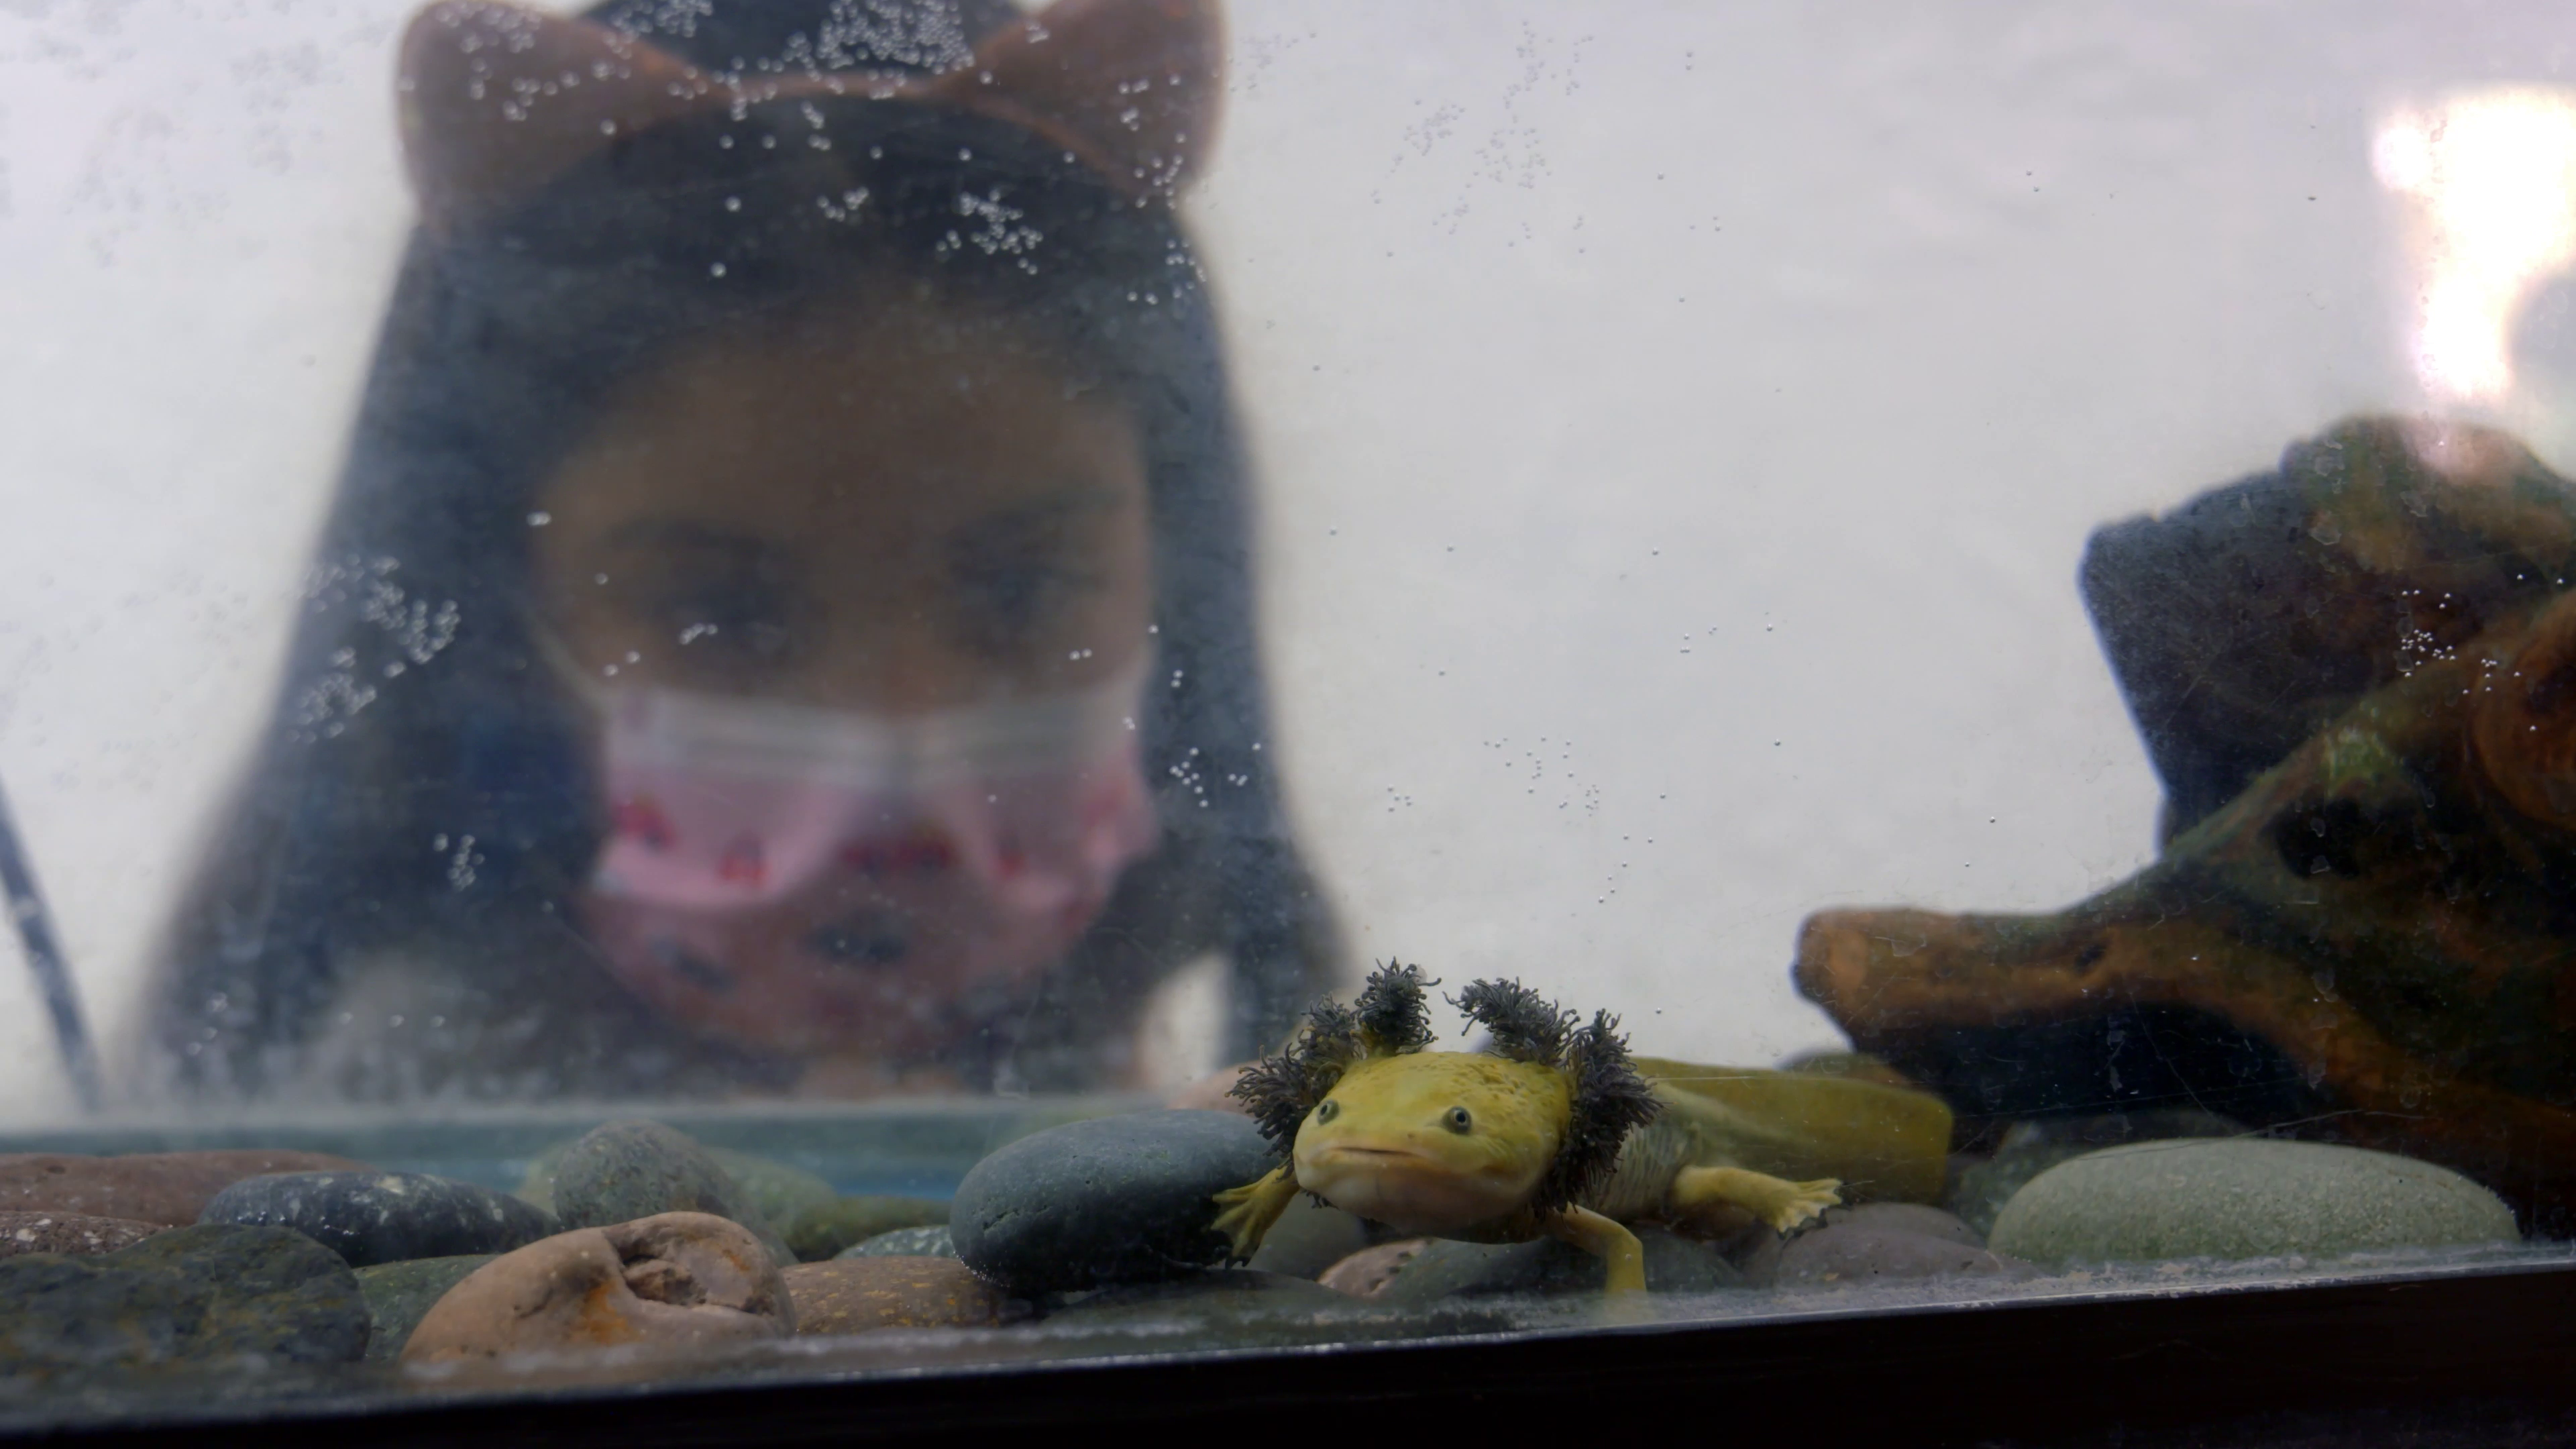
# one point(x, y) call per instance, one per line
point(1810, 1200)
point(1776, 1201)
point(1245, 1214)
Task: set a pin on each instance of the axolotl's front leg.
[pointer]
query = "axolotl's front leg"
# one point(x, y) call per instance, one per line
point(1778, 1202)
point(1245, 1214)
point(1623, 1258)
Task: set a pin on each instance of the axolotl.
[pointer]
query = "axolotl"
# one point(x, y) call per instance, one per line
point(1556, 1131)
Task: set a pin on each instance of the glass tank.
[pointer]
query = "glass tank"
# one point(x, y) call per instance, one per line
point(705, 692)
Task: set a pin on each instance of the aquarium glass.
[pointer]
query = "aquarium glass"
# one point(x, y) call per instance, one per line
point(747, 690)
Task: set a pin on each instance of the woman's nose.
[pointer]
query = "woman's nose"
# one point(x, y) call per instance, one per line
point(901, 662)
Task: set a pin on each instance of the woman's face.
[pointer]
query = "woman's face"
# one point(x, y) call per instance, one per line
point(893, 508)
point(893, 532)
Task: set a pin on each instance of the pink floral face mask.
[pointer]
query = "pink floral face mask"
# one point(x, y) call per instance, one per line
point(801, 879)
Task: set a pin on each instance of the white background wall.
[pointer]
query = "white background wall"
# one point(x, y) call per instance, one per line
point(1680, 424)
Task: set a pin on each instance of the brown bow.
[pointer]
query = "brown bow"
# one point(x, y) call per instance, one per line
point(498, 99)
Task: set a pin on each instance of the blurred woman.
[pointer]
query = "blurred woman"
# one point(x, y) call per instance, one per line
point(785, 624)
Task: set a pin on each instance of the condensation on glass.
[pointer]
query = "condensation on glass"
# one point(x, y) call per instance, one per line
point(1121, 673)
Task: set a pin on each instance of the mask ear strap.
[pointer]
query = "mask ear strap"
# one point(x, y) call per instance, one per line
point(552, 652)
point(496, 100)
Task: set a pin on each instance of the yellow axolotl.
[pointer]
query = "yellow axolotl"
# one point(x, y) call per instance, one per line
point(1555, 1131)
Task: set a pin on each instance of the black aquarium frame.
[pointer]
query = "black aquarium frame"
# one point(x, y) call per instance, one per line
point(2473, 1358)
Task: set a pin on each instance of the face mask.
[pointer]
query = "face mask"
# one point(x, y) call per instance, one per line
point(802, 879)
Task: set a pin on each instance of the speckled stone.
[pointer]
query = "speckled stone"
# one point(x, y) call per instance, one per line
point(1979, 1190)
point(1109, 1201)
point(629, 1170)
point(188, 1295)
point(1371, 1271)
point(830, 1229)
point(675, 1280)
point(384, 1217)
point(398, 1294)
point(1445, 1269)
point(929, 1242)
point(854, 1295)
point(2243, 1198)
point(170, 1188)
point(72, 1233)
point(1239, 1308)
point(1223, 1307)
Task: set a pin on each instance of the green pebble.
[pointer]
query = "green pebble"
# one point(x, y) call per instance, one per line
point(204, 1294)
point(629, 1170)
point(399, 1294)
point(781, 1192)
point(826, 1229)
point(2243, 1198)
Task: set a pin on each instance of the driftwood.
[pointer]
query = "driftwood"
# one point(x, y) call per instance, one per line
point(2372, 937)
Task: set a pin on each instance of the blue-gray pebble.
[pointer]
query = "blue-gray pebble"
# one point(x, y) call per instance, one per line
point(382, 1217)
point(1113, 1200)
point(2243, 1198)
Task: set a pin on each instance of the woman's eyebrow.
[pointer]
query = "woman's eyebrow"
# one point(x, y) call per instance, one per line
point(685, 534)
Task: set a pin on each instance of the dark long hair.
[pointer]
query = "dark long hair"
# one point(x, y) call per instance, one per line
point(420, 810)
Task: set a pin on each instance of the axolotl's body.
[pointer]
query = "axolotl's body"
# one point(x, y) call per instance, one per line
point(1495, 1147)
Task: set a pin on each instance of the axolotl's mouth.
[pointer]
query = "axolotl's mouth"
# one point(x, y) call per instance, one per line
point(1402, 1187)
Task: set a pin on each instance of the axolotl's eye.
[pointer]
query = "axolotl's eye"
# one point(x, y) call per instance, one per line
point(1327, 1110)
point(1458, 1121)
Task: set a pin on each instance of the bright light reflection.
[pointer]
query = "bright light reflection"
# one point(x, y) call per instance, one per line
point(2492, 178)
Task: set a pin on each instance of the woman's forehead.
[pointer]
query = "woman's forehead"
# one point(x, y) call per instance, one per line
point(928, 409)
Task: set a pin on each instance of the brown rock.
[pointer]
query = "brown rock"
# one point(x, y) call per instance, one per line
point(1906, 1217)
point(1366, 1273)
point(169, 1188)
point(672, 1280)
point(853, 1295)
point(69, 1233)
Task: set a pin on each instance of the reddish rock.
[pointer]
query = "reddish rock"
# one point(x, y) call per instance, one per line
point(69, 1233)
point(1906, 1217)
point(674, 1280)
point(1366, 1273)
point(169, 1188)
point(1865, 1252)
point(853, 1295)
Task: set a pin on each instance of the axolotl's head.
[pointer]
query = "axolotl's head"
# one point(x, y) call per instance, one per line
point(1434, 1142)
